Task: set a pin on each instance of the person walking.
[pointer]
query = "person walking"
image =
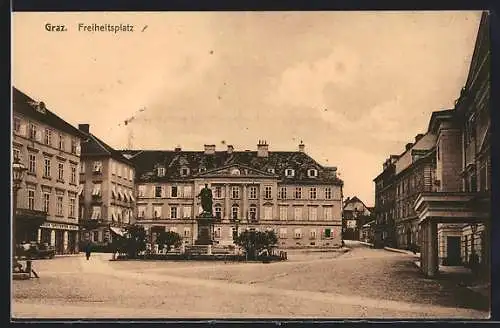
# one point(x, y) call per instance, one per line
point(88, 250)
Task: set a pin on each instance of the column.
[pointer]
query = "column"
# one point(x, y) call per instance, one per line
point(65, 241)
point(244, 209)
point(227, 210)
point(424, 253)
point(39, 235)
point(52, 237)
point(433, 250)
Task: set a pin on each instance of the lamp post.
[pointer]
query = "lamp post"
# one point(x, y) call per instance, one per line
point(18, 170)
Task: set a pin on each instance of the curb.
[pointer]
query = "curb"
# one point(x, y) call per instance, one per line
point(395, 250)
point(366, 244)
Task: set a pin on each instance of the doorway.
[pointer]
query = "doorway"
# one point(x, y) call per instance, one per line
point(59, 242)
point(453, 251)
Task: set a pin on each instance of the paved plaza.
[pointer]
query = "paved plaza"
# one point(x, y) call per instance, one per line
point(362, 283)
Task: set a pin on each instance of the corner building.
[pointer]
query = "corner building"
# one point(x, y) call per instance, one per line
point(49, 148)
point(288, 192)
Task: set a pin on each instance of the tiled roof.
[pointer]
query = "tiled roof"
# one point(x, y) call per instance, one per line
point(23, 104)
point(146, 161)
point(96, 147)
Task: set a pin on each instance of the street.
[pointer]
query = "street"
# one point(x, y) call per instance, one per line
point(362, 283)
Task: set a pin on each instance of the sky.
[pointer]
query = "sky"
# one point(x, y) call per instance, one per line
point(355, 87)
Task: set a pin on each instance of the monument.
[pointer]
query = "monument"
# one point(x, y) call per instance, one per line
point(205, 219)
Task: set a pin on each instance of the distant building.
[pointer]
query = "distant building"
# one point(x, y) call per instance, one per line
point(284, 191)
point(107, 198)
point(367, 233)
point(49, 147)
point(354, 215)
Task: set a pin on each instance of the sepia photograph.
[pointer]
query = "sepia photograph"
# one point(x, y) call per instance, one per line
point(230, 165)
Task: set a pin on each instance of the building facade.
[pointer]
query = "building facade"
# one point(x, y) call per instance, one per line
point(354, 215)
point(288, 192)
point(49, 147)
point(107, 190)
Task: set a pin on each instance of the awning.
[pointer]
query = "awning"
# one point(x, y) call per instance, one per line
point(80, 189)
point(121, 194)
point(131, 196)
point(119, 231)
point(113, 217)
point(113, 192)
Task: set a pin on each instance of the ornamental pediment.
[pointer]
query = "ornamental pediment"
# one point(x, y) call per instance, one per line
point(236, 170)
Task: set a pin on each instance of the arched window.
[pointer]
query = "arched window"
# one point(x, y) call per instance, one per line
point(312, 173)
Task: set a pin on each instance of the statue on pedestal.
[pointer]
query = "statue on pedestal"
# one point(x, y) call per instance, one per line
point(206, 201)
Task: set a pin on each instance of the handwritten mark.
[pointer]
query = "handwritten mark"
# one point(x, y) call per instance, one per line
point(144, 28)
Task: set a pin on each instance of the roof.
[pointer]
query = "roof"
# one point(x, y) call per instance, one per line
point(355, 199)
point(439, 116)
point(197, 161)
point(96, 147)
point(23, 104)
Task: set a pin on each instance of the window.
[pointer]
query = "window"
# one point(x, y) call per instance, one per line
point(118, 169)
point(72, 206)
point(235, 212)
point(173, 212)
point(282, 233)
point(312, 234)
point(59, 205)
point(313, 213)
point(158, 191)
point(82, 167)
point(218, 192)
point(184, 171)
point(16, 154)
point(328, 233)
point(297, 213)
point(187, 232)
point(31, 199)
point(96, 213)
point(161, 171)
point(48, 137)
point(60, 170)
point(217, 232)
point(218, 211)
point(253, 212)
point(96, 190)
point(282, 193)
point(312, 173)
point(61, 142)
point(271, 170)
point(131, 174)
point(33, 131)
point(113, 167)
point(95, 236)
point(298, 193)
point(312, 193)
point(186, 212)
point(268, 192)
point(187, 191)
point(157, 212)
point(297, 233)
point(173, 192)
point(32, 164)
point(283, 212)
point(142, 191)
point(289, 172)
point(73, 174)
point(328, 193)
point(268, 213)
point(235, 192)
point(46, 167)
point(253, 193)
point(328, 213)
point(141, 211)
point(73, 145)
point(17, 124)
point(46, 202)
point(97, 167)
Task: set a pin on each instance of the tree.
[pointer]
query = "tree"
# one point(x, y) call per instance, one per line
point(134, 240)
point(256, 241)
point(168, 239)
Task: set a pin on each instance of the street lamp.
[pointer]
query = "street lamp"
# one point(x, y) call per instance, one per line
point(18, 170)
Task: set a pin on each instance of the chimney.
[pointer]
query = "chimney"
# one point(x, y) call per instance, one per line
point(177, 148)
point(302, 147)
point(209, 149)
point(408, 146)
point(418, 137)
point(84, 127)
point(230, 149)
point(262, 149)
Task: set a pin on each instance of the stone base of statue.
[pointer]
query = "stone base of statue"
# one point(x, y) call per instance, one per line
point(206, 223)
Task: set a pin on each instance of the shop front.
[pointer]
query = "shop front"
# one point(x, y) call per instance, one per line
point(27, 224)
point(64, 237)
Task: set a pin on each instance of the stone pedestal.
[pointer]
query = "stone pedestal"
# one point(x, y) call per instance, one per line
point(206, 223)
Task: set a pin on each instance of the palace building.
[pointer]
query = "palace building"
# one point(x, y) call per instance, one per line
point(49, 148)
point(286, 191)
point(107, 200)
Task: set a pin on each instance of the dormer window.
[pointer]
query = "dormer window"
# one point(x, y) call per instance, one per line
point(289, 172)
point(271, 170)
point(161, 171)
point(312, 173)
point(184, 171)
point(97, 167)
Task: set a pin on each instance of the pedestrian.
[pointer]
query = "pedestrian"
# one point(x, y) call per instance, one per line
point(88, 250)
